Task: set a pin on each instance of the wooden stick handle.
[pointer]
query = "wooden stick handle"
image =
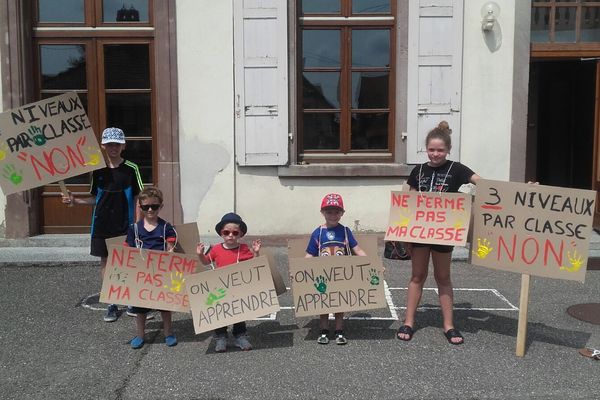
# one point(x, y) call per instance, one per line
point(522, 325)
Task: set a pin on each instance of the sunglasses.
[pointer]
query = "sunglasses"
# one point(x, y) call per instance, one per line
point(146, 207)
point(225, 232)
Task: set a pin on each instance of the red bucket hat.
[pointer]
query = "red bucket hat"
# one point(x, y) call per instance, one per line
point(332, 200)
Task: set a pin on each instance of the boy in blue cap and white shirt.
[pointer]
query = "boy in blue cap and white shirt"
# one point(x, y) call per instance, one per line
point(113, 193)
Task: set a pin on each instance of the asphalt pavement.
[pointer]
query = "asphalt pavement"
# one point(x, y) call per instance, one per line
point(56, 345)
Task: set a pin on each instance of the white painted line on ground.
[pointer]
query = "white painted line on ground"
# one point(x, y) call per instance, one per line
point(494, 291)
point(271, 317)
point(388, 297)
point(497, 293)
point(90, 307)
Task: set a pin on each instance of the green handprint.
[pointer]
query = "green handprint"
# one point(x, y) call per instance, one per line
point(374, 277)
point(11, 173)
point(215, 297)
point(38, 137)
point(321, 284)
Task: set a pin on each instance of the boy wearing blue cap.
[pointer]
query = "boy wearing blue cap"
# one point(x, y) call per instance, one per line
point(231, 228)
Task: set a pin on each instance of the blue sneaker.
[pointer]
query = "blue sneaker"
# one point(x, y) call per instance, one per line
point(137, 342)
point(111, 313)
point(171, 340)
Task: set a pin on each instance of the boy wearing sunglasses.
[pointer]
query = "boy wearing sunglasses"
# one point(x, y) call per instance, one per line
point(231, 228)
point(153, 233)
point(113, 192)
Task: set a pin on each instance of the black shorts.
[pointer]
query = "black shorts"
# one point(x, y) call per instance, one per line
point(140, 310)
point(435, 247)
point(98, 246)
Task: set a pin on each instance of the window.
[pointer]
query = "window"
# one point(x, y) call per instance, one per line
point(346, 80)
point(565, 22)
point(109, 66)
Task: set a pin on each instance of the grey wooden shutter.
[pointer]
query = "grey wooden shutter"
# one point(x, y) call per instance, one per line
point(261, 82)
point(434, 72)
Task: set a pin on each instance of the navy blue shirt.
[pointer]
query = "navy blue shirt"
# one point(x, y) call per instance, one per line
point(336, 241)
point(156, 239)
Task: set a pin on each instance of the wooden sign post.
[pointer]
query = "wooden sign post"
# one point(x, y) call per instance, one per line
point(523, 307)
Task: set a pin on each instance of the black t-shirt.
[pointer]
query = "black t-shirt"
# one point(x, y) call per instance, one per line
point(115, 190)
point(448, 177)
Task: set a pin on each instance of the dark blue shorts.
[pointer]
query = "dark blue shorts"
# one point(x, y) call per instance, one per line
point(140, 310)
point(435, 247)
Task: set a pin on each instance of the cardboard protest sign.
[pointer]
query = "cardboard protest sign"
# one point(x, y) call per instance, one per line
point(231, 294)
point(187, 238)
point(322, 285)
point(429, 217)
point(46, 141)
point(532, 229)
point(277, 278)
point(147, 278)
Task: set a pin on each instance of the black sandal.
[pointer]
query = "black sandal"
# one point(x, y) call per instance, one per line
point(454, 333)
point(407, 330)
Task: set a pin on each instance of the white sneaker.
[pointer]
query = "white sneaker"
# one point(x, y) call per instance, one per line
point(242, 342)
point(221, 344)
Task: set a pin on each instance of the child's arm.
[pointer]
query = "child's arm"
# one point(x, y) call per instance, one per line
point(358, 251)
point(474, 178)
point(138, 210)
point(200, 251)
point(308, 255)
point(70, 199)
point(171, 243)
point(256, 247)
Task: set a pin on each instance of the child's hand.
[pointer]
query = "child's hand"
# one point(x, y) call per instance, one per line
point(68, 198)
point(256, 246)
point(200, 249)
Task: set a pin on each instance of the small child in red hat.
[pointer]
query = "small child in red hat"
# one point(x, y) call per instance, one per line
point(332, 239)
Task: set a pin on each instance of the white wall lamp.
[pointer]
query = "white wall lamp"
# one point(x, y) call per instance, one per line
point(489, 13)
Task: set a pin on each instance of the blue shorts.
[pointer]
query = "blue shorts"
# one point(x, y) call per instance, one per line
point(141, 310)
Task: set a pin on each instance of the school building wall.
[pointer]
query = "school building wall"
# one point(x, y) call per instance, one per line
point(212, 184)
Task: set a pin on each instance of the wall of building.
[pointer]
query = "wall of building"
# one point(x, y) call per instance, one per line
point(211, 182)
point(487, 91)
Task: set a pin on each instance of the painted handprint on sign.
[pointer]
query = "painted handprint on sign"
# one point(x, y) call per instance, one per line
point(575, 260)
point(118, 276)
point(3, 151)
point(374, 277)
point(403, 217)
point(214, 297)
point(93, 156)
point(483, 248)
point(36, 133)
point(177, 281)
point(321, 284)
point(10, 172)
